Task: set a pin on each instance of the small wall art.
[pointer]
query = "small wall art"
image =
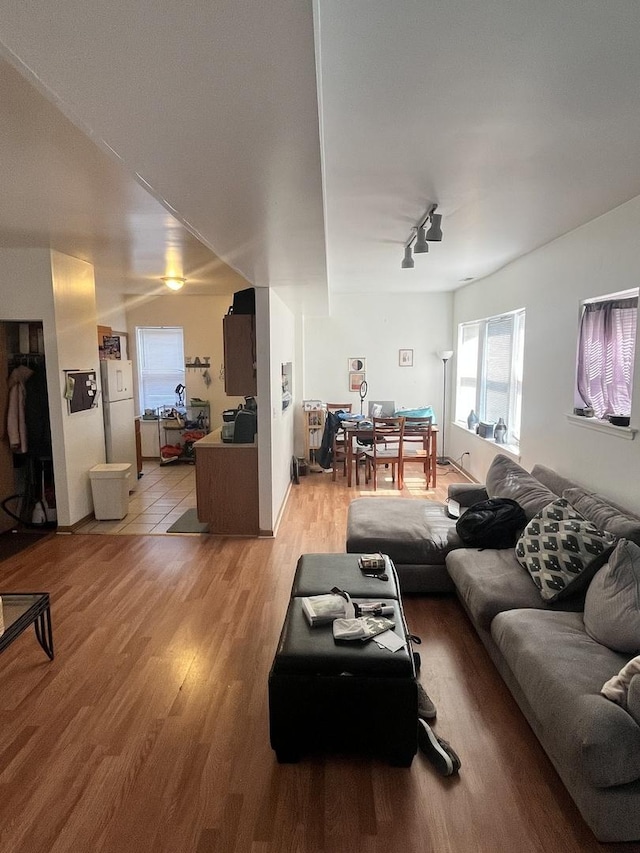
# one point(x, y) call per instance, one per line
point(405, 357)
point(355, 380)
point(357, 365)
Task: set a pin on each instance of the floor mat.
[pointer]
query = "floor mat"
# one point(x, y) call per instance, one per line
point(188, 523)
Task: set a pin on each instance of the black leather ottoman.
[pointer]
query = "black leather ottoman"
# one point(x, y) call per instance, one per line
point(347, 697)
point(317, 573)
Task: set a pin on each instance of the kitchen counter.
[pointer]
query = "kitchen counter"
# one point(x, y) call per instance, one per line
point(213, 440)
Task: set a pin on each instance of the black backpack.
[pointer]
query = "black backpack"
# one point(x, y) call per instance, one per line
point(495, 523)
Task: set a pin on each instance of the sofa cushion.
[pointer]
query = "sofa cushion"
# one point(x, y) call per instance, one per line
point(489, 581)
point(561, 550)
point(560, 671)
point(612, 602)
point(506, 479)
point(604, 514)
point(410, 532)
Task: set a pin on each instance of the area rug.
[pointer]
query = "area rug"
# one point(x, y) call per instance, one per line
point(188, 523)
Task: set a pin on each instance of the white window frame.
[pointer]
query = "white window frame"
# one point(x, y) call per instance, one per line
point(631, 293)
point(170, 374)
point(513, 410)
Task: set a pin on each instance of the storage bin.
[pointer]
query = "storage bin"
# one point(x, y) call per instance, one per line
point(110, 489)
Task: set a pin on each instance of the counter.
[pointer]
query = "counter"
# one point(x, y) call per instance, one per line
point(227, 486)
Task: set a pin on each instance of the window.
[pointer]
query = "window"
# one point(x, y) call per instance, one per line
point(160, 365)
point(489, 363)
point(606, 353)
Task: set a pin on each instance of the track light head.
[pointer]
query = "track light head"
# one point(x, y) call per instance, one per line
point(407, 261)
point(434, 234)
point(421, 246)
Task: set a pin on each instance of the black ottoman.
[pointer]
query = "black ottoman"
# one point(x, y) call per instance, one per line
point(341, 697)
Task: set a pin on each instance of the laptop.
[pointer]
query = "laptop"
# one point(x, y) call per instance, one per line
point(381, 408)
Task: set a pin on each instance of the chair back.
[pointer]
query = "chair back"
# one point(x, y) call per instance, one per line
point(418, 431)
point(339, 407)
point(388, 436)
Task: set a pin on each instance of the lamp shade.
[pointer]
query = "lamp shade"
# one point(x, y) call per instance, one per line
point(407, 261)
point(445, 354)
point(421, 246)
point(434, 234)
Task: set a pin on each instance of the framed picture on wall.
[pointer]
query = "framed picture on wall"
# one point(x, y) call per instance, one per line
point(357, 365)
point(405, 358)
point(356, 379)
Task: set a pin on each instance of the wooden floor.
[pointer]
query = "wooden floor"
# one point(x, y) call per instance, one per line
point(149, 730)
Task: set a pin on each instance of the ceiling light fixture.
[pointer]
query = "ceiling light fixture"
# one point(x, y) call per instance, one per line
point(407, 261)
point(173, 282)
point(419, 239)
point(435, 232)
point(421, 245)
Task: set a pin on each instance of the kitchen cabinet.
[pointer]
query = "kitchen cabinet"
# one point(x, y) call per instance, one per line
point(227, 486)
point(239, 335)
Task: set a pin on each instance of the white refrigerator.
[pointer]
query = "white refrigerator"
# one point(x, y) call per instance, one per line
point(119, 414)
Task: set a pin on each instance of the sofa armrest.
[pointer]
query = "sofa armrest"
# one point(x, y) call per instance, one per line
point(633, 698)
point(467, 494)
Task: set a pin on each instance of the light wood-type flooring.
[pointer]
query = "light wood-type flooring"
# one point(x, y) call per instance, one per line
point(149, 730)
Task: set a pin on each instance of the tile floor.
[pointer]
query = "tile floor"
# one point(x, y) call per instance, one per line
point(161, 496)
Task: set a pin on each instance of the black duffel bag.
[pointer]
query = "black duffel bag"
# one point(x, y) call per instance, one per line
point(496, 523)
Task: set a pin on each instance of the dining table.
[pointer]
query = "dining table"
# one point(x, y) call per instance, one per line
point(365, 433)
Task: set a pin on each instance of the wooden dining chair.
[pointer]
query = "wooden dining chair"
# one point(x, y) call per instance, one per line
point(416, 445)
point(339, 442)
point(386, 449)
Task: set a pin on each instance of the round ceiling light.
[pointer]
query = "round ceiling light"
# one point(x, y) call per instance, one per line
point(173, 282)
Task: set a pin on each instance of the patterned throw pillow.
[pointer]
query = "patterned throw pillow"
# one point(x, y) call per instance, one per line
point(561, 550)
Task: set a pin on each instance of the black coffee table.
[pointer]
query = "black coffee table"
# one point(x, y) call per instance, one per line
point(21, 609)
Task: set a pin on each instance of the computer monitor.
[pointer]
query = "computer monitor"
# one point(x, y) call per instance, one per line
point(381, 408)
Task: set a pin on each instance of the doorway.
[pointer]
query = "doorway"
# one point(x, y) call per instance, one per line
point(27, 485)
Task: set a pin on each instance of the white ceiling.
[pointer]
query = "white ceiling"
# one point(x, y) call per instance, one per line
point(520, 120)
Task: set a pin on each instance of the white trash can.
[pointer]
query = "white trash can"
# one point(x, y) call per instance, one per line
point(110, 489)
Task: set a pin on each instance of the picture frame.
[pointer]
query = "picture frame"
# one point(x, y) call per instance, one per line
point(405, 357)
point(356, 378)
point(357, 365)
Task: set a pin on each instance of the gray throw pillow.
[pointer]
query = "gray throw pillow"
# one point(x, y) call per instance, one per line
point(612, 602)
point(561, 550)
point(604, 514)
point(506, 479)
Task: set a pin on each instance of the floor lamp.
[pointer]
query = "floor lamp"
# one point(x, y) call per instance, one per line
point(445, 355)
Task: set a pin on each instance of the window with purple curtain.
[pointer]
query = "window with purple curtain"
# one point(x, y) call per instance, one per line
point(606, 352)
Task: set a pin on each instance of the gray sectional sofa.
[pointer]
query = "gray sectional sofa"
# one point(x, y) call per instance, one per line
point(553, 666)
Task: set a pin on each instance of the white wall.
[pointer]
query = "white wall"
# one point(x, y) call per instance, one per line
point(282, 350)
point(201, 319)
point(83, 432)
point(110, 307)
point(599, 258)
point(376, 327)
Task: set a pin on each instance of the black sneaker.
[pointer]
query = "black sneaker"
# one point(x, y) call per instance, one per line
point(437, 750)
point(426, 708)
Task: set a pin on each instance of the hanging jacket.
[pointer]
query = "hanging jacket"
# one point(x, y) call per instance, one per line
point(16, 424)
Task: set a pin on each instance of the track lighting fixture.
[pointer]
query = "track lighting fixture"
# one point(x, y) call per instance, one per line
point(419, 239)
point(407, 261)
point(435, 232)
point(421, 245)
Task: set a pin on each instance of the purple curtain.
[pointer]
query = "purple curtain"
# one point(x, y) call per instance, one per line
point(606, 354)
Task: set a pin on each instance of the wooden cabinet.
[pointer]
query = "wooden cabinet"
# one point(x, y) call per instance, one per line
point(227, 486)
point(239, 333)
